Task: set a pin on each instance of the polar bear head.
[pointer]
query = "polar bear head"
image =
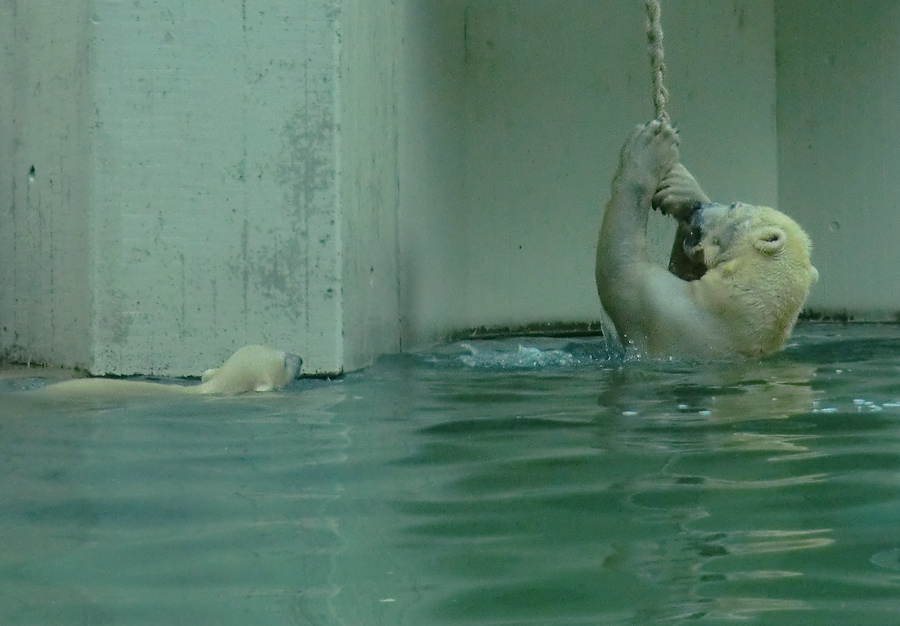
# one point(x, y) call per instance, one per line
point(757, 268)
point(252, 368)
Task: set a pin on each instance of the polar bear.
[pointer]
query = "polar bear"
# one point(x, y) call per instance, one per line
point(738, 275)
point(252, 368)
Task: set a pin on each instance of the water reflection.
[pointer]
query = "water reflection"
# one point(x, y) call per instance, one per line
point(721, 392)
point(658, 501)
point(538, 484)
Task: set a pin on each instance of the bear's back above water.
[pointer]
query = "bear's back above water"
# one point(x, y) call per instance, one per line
point(252, 368)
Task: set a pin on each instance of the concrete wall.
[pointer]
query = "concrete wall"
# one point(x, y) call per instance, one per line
point(434, 228)
point(839, 153)
point(214, 205)
point(513, 113)
point(45, 182)
point(346, 178)
point(173, 184)
point(369, 180)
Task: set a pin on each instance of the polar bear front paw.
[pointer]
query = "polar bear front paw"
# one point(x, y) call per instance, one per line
point(678, 193)
point(650, 152)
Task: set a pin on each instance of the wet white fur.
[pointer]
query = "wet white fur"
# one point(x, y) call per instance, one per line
point(755, 264)
point(252, 368)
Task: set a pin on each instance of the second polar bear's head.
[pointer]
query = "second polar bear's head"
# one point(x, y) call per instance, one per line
point(756, 260)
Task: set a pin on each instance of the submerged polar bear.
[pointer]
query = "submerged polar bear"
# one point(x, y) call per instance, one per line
point(738, 275)
point(252, 368)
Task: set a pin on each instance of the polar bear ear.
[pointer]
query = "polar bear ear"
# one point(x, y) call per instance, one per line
point(770, 240)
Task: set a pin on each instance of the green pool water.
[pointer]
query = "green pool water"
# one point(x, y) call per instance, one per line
point(516, 481)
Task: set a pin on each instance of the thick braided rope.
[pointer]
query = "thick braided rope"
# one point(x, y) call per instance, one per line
point(657, 60)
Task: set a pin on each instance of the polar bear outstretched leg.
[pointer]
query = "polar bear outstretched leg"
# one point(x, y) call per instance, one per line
point(648, 154)
point(623, 261)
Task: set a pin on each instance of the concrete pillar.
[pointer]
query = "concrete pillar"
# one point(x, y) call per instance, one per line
point(182, 178)
point(45, 183)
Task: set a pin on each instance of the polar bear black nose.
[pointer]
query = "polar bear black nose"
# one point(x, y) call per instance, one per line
point(292, 364)
point(692, 240)
point(696, 210)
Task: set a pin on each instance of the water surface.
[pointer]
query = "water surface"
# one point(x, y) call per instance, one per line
point(518, 481)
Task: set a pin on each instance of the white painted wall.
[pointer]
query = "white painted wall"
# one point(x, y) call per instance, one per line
point(839, 147)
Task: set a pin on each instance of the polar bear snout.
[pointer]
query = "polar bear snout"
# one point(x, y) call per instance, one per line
point(694, 222)
point(692, 239)
point(712, 228)
point(706, 211)
point(698, 206)
point(292, 364)
point(711, 216)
